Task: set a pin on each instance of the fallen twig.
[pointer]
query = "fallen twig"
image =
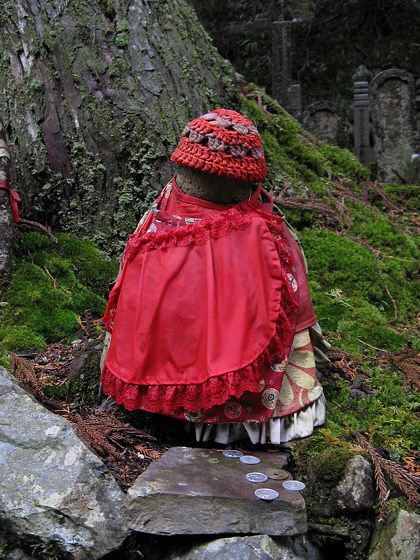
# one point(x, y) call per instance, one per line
point(55, 283)
point(28, 224)
point(341, 207)
point(387, 290)
point(409, 364)
point(403, 179)
point(363, 243)
point(385, 197)
point(79, 320)
point(406, 480)
point(370, 346)
point(25, 373)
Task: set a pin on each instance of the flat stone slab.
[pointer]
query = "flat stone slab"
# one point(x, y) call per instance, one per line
point(200, 491)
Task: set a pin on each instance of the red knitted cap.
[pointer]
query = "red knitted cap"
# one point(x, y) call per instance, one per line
point(224, 143)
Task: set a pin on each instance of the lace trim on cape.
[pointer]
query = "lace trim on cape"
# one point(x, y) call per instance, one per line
point(198, 233)
point(216, 390)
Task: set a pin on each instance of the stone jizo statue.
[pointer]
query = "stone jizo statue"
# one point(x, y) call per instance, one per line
point(211, 317)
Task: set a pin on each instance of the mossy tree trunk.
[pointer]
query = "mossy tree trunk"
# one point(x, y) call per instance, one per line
point(95, 96)
point(5, 215)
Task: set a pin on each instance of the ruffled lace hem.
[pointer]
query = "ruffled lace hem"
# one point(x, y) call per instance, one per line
point(164, 399)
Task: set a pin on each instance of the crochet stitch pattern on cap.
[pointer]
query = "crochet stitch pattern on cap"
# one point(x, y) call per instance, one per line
point(224, 143)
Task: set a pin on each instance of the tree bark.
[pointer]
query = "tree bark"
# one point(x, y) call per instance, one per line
point(95, 97)
point(6, 221)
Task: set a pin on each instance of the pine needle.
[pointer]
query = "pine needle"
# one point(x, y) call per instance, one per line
point(407, 481)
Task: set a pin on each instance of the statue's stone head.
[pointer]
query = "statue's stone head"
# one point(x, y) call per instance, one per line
point(220, 157)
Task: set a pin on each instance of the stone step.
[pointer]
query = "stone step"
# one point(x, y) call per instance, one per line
point(200, 491)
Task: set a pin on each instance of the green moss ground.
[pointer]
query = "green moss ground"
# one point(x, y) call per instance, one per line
point(36, 312)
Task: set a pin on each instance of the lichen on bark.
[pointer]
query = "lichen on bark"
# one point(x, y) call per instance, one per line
point(97, 95)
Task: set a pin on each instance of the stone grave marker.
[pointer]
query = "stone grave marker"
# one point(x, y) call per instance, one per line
point(294, 97)
point(323, 119)
point(414, 176)
point(392, 102)
point(281, 60)
point(363, 148)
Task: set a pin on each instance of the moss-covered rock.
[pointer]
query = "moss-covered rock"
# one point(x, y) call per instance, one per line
point(84, 381)
point(330, 465)
point(339, 500)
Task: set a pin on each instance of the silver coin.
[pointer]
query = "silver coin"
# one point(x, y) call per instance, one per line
point(256, 477)
point(293, 485)
point(266, 494)
point(250, 460)
point(232, 453)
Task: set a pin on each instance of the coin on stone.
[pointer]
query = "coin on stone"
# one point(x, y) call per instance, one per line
point(250, 460)
point(293, 485)
point(256, 477)
point(266, 494)
point(232, 453)
point(277, 474)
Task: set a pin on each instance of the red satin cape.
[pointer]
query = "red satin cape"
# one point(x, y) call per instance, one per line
point(199, 311)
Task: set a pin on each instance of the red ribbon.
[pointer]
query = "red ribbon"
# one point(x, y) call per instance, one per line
point(14, 199)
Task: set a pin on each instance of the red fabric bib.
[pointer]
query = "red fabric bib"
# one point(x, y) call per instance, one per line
point(184, 205)
point(176, 321)
point(200, 310)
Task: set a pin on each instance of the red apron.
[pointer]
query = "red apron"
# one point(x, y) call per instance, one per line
point(204, 310)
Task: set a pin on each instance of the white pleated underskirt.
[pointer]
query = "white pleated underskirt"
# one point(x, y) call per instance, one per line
point(279, 430)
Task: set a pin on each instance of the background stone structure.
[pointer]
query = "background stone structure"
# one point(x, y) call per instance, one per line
point(323, 119)
point(392, 98)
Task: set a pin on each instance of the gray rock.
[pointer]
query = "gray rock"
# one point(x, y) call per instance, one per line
point(53, 488)
point(398, 539)
point(200, 491)
point(257, 547)
point(355, 492)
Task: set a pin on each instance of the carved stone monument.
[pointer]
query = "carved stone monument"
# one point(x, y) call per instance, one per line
point(323, 119)
point(282, 60)
point(294, 98)
point(414, 176)
point(363, 148)
point(392, 102)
